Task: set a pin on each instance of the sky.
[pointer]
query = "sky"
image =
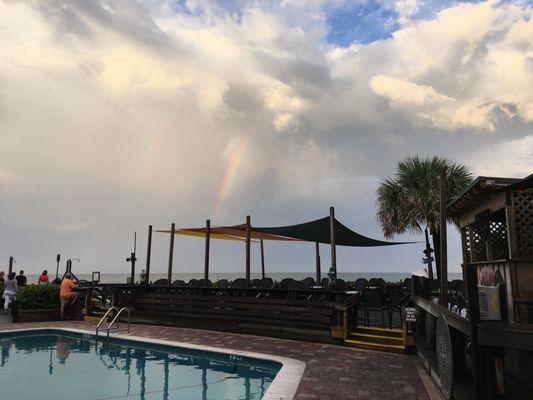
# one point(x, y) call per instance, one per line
point(119, 114)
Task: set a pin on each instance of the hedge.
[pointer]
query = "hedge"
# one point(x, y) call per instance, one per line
point(37, 297)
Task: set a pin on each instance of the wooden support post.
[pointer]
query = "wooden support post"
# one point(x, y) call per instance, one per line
point(248, 240)
point(262, 259)
point(206, 265)
point(443, 195)
point(318, 272)
point(171, 253)
point(478, 362)
point(332, 239)
point(10, 270)
point(148, 256)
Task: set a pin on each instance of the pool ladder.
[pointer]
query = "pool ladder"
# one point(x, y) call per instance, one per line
point(110, 326)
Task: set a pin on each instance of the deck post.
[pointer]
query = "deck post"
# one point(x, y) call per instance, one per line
point(443, 194)
point(171, 253)
point(333, 270)
point(262, 259)
point(248, 240)
point(148, 255)
point(318, 273)
point(10, 270)
point(207, 237)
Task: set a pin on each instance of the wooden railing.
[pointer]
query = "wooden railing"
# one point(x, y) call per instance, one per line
point(315, 315)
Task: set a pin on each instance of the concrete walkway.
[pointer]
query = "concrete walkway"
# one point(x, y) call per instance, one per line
point(332, 372)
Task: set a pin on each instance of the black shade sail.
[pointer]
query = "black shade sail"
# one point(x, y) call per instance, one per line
point(319, 231)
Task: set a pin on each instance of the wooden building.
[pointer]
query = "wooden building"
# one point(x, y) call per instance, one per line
point(495, 216)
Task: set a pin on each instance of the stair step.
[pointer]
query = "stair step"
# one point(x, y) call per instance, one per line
point(372, 336)
point(375, 346)
point(378, 331)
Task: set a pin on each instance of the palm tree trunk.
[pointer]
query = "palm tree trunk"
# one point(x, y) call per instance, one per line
point(428, 255)
point(435, 234)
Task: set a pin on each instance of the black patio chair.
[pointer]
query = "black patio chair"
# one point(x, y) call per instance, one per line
point(406, 285)
point(297, 285)
point(374, 300)
point(341, 285)
point(360, 284)
point(178, 282)
point(456, 295)
point(375, 283)
point(194, 283)
point(324, 283)
point(308, 282)
point(160, 282)
point(238, 283)
point(256, 283)
point(267, 283)
point(201, 283)
point(284, 284)
point(223, 283)
point(395, 297)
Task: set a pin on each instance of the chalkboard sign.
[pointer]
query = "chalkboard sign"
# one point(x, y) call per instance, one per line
point(410, 314)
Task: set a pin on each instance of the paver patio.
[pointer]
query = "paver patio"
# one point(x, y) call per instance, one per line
point(332, 372)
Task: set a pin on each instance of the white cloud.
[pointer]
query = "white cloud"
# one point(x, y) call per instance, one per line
point(123, 116)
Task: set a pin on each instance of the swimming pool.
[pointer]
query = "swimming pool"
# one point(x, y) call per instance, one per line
point(65, 364)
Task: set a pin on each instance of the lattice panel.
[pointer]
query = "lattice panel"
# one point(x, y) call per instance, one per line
point(499, 243)
point(523, 211)
point(479, 235)
point(467, 243)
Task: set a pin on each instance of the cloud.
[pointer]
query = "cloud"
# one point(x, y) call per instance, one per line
point(120, 114)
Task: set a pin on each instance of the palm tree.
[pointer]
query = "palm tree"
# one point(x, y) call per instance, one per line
point(409, 202)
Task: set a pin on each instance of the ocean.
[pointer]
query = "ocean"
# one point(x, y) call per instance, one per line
point(347, 276)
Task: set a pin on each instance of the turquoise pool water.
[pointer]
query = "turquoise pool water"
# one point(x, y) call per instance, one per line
point(59, 365)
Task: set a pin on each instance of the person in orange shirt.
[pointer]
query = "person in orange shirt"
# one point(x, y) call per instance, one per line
point(66, 293)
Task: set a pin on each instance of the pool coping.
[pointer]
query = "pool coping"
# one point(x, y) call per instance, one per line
point(283, 387)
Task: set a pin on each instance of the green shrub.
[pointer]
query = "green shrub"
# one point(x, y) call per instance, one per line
point(35, 297)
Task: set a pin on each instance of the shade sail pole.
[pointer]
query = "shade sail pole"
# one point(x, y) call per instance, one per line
point(148, 255)
point(248, 240)
point(443, 194)
point(318, 273)
point(171, 253)
point(207, 237)
point(262, 260)
point(333, 271)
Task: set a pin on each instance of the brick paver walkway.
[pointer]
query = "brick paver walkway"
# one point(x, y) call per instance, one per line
point(332, 372)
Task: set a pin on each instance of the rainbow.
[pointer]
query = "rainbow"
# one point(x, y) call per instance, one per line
point(234, 156)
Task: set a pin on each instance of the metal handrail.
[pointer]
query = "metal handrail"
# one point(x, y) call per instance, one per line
point(109, 327)
point(103, 319)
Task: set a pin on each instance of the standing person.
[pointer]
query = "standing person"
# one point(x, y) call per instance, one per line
point(2, 276)
point(66, 293)
point(21, 278)
point(10, 290)
point(43, 278)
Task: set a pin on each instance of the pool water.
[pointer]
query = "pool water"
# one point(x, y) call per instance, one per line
point(60, 365)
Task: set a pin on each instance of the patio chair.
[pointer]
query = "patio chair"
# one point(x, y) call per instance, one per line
point(201, 283)
point(395, 296)
point(341, 285)
point(267, 283)
point(308, 282)
point(223, 283)
point(194, 283)
point(324, 283)
point(256, 283)
point(375, 283)
point(160, 282)
point(178, 282)
point(360, 284)
point(238, 283)
point(284, 284)
point(298, 285)
point(374, 300)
